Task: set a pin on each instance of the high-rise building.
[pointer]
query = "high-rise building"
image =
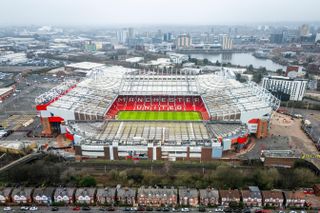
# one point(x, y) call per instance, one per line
point(276, 38)
point(285, 88)
point(122, 36)
point(131, 32)
point(183, 41)
point(317, 39)
point(304, 30)
point(226, 43)
point(167, 36)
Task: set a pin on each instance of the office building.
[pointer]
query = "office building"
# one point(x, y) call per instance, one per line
point(183, 41)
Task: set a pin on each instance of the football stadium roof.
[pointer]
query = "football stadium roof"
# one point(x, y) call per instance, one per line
point(225, 98)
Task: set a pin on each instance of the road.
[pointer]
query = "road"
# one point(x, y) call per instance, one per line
point(121, 209)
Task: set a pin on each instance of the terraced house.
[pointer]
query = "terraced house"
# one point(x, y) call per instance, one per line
point(22, 195)
point(126, 196)
point(157, 197)
point(272, 198)
point(252, 196)
point(64, 195)
point(85, 195)
point(43, 196)
point(209, 197)
point(5, 193)
point(188, 197)
point(295, 198)
point(229, 196)
point(106, 196)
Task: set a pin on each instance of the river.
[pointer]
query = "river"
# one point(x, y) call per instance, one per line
point(242, 59)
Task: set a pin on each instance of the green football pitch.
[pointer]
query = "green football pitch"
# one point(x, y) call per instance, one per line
point(161, 115)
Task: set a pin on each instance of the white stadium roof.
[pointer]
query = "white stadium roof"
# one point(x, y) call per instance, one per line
point(224, 98)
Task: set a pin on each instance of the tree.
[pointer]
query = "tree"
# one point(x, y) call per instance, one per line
point(218, 63)
point(238, 76)
point(266, 179)
point(205, 61)
point(257, 77)
point(229, 177)
point(304, 177)
point(250, 68)
point(279, 71)
point(87, 181)
point(262, 69)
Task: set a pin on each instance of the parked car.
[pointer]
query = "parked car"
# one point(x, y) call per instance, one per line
point(86, 208)
point(149, 209)
point(7, 208)
point(141, 209)
point(165, 209)
point(33, 208)
point(185, 209)
point(202, 209)
point(54, 209)
point(111, 209)
point(219, 209)
point(24, 208)
point(76, 208)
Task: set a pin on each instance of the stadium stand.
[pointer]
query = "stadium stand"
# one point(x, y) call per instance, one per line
point(158, 103)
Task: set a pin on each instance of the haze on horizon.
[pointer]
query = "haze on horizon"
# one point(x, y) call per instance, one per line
point(155, 12)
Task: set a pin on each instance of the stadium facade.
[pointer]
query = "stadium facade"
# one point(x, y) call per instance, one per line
point(168, 115)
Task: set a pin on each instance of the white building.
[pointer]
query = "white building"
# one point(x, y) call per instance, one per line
point(285, 88)
point(134, 59)
point(122, 36)
point(226, 43)
point(177, 58)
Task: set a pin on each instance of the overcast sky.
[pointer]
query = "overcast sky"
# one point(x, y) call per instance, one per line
point(184, 12)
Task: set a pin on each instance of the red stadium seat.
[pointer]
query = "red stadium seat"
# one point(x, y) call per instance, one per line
point(158, 103)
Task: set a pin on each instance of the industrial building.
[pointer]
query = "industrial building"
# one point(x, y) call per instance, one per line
point(87, 112)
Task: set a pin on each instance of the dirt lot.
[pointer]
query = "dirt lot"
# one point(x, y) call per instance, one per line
point(286, 134)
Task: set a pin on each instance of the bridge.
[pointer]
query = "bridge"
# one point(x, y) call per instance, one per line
point(23, 160)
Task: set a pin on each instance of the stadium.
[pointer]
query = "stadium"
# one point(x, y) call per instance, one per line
point(119, 113)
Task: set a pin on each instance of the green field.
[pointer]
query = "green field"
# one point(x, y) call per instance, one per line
point(162, 115)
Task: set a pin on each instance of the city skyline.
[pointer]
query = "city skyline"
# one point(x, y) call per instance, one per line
point(156, 12)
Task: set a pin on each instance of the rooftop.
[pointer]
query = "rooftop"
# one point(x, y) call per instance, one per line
point(85, 65)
